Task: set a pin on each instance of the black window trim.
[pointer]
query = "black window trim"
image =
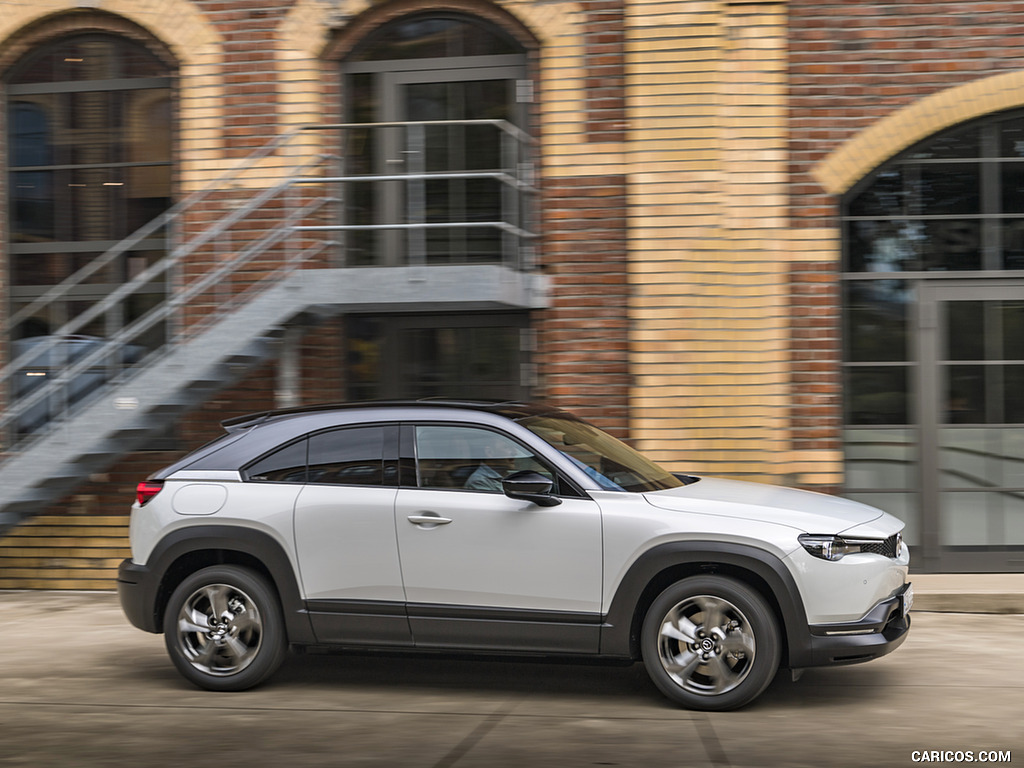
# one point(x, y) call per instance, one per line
point(390, 450)
point(564, 486)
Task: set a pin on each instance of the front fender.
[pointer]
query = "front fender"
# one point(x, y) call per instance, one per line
point(666, 563)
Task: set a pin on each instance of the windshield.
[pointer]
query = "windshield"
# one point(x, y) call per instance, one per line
point(613, 464)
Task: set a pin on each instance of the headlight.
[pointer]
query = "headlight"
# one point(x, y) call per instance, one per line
point(837, 547)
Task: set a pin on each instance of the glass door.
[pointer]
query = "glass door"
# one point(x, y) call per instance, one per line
point(438, 193)
point(972, 421)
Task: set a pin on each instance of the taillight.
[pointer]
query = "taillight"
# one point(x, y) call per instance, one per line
point(147, 489)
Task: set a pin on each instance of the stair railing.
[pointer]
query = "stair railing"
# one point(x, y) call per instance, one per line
point(52, 396)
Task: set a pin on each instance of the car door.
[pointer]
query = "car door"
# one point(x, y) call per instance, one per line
point(345, 537)
point(482, 570)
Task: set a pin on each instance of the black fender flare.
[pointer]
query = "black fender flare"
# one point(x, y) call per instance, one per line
point(666, 563)
point(257, 545)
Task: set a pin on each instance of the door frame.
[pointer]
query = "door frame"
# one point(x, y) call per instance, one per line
point(929, 388)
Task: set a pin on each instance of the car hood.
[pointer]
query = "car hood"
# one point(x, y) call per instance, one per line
point(807, 511)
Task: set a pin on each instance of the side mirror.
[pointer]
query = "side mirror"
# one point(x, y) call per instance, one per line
point(526, 485)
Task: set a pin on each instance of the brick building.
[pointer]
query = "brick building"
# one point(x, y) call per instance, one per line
point(776, 241)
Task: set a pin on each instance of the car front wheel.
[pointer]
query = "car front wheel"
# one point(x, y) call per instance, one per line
point(223, 628)
point(710, 643)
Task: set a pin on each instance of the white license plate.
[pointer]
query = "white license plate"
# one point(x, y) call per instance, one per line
point(908, 599)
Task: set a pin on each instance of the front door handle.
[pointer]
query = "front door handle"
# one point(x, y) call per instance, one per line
point(429, 520)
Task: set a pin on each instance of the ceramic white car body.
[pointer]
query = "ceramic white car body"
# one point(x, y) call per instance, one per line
point(500, 528)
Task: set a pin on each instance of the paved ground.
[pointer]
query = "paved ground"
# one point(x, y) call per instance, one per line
point(79, 687)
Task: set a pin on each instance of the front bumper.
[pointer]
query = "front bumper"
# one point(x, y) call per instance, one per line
point(136, 589)
point(881, 631)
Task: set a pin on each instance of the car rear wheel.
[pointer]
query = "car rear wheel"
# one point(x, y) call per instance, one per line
point(223, 628)
point(710, 643)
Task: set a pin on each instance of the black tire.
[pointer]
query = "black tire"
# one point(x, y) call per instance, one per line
point(710, 643)
point(223, 628)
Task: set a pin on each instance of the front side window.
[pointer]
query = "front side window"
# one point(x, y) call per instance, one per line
point(469, 458)
point(613, 464)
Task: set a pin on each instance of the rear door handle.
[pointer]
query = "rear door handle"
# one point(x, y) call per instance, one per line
point(429, 520)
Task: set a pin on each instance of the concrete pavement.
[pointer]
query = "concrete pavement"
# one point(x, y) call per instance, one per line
point(969, 592)
point(80, 688)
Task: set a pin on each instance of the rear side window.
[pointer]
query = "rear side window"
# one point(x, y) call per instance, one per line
point(351, 456)
point(347, 457)
point(285, 465)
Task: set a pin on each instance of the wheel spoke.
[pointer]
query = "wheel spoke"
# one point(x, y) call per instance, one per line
point(205, 656)
point(722, 676)
point(678, 627)
point(712, 613)
point(681, 666)
point(217, 594)
point(246, 622)
point(237, 649)
point(195, 621)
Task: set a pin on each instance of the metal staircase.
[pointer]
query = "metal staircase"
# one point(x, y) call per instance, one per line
point(245, 327)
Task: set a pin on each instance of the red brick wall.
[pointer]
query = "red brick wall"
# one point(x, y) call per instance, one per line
point(604, 54)
point(584, 342)
point(250, 75)
point(850, 65)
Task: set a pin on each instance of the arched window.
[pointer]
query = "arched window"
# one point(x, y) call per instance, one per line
point(89, 162)
point(444, 176)
point(934, 342)
point(453, 191)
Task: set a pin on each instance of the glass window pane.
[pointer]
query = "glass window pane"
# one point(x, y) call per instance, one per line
point(1012, 187)
point(949, 146)
point(881, 458)
point(1012, 322)
point(347, 457)
point(287, 465)
point(965, 520)
point(965, 330)
point(948, 188)
point(876, 320)
point(435, 36)
point(965, 395)
point(951, 245)
point(1013, 399)
point(1011, 138)
point(884, 246)
point(1013, 244)
point(877, 395)
point(886, 196)
point(469, 458)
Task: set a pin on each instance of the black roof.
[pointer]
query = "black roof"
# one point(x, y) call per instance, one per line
point(512, 409)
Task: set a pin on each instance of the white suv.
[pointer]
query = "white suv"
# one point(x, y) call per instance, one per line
point(499, 527)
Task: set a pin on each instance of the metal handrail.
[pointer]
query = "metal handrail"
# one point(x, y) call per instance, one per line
point(117, 339)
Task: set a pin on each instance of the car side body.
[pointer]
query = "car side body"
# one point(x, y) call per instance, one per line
point(556, 558)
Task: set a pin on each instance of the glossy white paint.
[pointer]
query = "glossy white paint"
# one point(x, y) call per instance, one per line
point(199, 499)
point(345, 540)
point(261, 506)
point(500, 552)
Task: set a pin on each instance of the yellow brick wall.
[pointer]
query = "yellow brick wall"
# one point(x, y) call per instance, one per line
point(64, 552)
point(710, 247)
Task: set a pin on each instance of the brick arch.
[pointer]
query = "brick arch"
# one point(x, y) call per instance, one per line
point(50, 27)
point(855, 159)
point(179, 34)
point(378, 15)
